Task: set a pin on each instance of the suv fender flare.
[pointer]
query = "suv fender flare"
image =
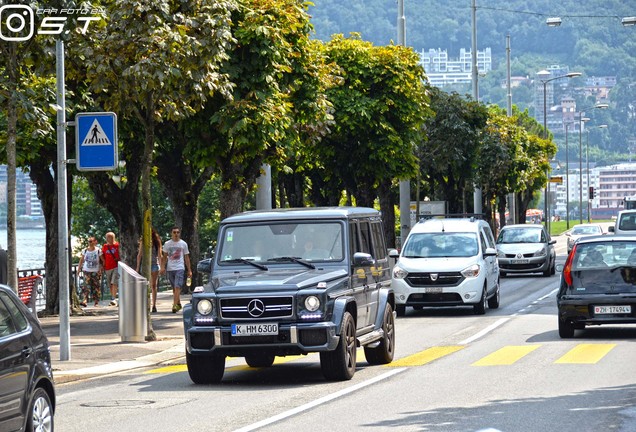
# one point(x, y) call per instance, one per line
point(386, 296)
point(340, 306)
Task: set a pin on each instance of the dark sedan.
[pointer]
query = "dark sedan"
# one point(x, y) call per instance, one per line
point(27, 394)
point(598, 284)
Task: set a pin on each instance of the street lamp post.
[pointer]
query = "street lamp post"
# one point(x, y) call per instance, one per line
point(587, 169)
point(545, 136)
point(581, 121)
point(567, 179)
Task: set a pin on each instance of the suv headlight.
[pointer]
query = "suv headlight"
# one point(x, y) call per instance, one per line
point(472, 271)
point(399, 272)
point(312, 303)
point(311, 308)
point(205, 307)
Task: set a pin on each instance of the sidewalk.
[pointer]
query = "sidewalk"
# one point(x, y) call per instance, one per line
point(96, 346)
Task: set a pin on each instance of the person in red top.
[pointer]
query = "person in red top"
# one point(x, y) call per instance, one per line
point(110, 256)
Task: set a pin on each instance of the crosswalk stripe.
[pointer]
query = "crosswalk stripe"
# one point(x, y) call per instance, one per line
point(586, 354)
point(506, 355)
point(426, 356)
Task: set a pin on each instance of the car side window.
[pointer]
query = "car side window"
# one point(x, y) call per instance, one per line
point(353, 238)
point(7, 327)
point(19, 320)
point(379, 249)
point(482, 240)
point(365, 237)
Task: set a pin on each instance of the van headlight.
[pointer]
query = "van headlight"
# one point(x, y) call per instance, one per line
point(472, 271)
point(399, 272)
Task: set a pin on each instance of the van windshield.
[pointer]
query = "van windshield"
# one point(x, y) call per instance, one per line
point(436, 245)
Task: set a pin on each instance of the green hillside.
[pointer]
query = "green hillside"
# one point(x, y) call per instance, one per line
point(591, 40)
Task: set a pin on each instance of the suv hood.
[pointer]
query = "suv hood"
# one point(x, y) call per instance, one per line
point(273, 280)
point(454, 264)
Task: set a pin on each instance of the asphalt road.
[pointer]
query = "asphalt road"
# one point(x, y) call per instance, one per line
point(454, 371)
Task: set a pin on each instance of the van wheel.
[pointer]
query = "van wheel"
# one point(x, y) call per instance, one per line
point(493, 302)
point(205, 369)
point(40, 413)
point(383, 353)
point(340, 364)
point(480, 308)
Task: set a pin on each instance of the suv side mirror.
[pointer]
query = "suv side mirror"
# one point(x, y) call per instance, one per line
point(361, 259)
point(205, 265)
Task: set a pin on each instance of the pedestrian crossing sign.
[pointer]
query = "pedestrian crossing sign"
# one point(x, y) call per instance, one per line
point(96, 141)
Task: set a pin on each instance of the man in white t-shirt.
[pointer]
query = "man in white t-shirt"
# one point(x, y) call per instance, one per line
point(176, 260)
point(90, 264)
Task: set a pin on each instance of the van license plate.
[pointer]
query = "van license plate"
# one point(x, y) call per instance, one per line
point(261, 329)
point(600, 310)
point(433, 290)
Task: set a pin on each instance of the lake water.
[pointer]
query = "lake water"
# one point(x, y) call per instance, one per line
point(31, 247)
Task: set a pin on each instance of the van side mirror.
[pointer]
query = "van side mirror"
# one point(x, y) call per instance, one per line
point(490, 252)
point(205, 265)
point(610, 229)
point(393, 253)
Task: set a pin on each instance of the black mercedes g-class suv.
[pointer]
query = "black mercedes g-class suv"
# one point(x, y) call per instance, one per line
point(290, 282)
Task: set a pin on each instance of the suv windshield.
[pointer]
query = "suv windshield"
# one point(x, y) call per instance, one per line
point(603, 267)
point(281, 242)
point(521, 235)
point(435, 245)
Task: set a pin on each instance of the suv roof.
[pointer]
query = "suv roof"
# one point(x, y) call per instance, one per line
point(303, 213)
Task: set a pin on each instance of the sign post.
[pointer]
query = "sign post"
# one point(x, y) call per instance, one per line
point(96, 141)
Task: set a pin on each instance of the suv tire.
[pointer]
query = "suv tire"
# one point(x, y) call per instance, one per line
point(340, 364)
point(383, 353)
point(260, 360)
point(40, 413)
point(205, 369)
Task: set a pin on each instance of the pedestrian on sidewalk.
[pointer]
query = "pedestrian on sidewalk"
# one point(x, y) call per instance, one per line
point(110, 256)
point(156, 259)
point(176, 260)
point(90, 264)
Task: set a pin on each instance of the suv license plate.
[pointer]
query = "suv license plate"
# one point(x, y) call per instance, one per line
point(261, 329)
point(599, 310)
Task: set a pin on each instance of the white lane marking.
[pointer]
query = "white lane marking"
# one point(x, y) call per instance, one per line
point(320, 401)
point(503, 320)
point(485, 331)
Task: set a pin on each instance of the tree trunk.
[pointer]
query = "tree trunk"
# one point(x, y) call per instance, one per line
point(146, 206)
point(387, 207)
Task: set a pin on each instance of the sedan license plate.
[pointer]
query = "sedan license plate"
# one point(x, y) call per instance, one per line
point(519, 261)
point(261, 329)
point(600, 310)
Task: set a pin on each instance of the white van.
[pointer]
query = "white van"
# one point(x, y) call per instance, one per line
point(447, 262)
point(625, 223)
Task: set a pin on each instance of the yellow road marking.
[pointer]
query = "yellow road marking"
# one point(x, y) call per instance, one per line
point(506, 355)
point(586, 353)
point(426, 356)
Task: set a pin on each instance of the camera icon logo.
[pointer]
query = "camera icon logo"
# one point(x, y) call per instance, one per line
point(16, 23)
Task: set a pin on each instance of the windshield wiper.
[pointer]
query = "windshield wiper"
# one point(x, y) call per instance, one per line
point(246, 261)
point(293, 259)
point(415, 256)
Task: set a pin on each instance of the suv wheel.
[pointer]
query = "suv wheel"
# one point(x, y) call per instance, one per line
point(40, 414)
point(383, 353)
point(340, 364)
point(480, 308)
point(566, 329)
point(205, 369)
point(493, 302)
point(259, 360)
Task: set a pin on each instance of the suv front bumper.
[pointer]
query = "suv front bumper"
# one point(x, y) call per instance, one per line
point(292, 339)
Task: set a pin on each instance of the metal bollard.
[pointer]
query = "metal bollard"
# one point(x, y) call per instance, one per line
point(133, 304)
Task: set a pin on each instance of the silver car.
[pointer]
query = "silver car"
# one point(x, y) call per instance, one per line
point(582, 230)
point(525, 249)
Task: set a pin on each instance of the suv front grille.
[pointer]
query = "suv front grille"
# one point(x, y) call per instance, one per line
point(437, 279)
point(251, 307)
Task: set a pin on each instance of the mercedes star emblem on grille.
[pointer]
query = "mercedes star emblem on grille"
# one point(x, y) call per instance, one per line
point(256, 308)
